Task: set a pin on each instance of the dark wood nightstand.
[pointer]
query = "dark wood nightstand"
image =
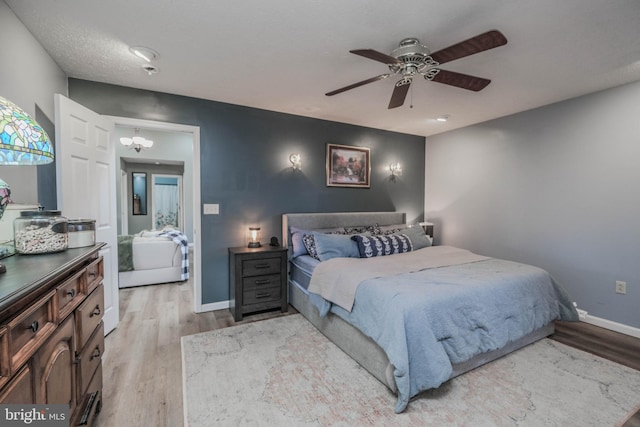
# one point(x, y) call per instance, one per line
point(257, 279)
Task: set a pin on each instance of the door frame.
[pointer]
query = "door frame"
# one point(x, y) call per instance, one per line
point(197, 247)
point(124, 198)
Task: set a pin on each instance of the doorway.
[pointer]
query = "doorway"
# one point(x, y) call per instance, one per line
point(161, 154)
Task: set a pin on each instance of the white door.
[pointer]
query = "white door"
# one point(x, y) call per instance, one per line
point(86, 185)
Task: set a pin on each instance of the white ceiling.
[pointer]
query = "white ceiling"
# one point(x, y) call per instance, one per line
point(284, 55)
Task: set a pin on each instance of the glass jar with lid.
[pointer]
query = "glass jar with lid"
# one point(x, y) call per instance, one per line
point(82, 232)
point(40, 232)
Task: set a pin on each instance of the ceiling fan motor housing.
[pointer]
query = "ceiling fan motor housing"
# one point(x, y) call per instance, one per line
point(412, 52)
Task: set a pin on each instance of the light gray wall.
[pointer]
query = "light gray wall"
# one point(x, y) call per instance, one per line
point(556, 187)
point(28, 76)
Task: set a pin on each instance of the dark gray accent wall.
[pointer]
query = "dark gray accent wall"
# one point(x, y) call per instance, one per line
point(46, 176)
point(555, 187)
point(245, 168)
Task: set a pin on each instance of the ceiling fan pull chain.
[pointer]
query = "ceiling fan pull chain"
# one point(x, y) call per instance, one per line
point(411, 105)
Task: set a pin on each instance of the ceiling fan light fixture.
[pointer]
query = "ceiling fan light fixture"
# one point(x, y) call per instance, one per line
point(144, 53)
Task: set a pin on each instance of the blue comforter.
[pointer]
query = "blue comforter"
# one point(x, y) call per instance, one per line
point(429, 319)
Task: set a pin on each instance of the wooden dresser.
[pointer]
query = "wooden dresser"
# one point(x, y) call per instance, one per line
point(257, 279)
point(51, 331)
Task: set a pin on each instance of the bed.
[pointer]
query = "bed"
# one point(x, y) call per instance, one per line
point(152, 257)
point(384, 328)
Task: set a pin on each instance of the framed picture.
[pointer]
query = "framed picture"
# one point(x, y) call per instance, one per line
point(348, 166)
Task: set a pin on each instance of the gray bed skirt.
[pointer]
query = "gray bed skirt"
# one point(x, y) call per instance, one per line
point(348, 338)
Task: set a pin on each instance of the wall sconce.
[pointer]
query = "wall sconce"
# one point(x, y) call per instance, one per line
point(136, 143)
point(395, 169)
point(296, 161)
point(253, 237)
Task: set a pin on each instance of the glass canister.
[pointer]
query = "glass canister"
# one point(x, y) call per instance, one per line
point(40, 232)
point(82, 232)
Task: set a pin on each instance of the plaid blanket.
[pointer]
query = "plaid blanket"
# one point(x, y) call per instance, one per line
point(179, 238)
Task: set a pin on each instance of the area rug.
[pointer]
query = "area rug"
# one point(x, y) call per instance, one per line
point(283, 372)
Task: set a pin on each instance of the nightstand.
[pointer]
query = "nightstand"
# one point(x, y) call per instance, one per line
point(257, 279)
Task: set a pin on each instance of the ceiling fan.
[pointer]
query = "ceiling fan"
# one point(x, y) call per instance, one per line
point(411, 58)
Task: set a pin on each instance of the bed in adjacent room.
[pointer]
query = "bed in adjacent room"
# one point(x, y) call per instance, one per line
point(414, 315)
point(153, 257)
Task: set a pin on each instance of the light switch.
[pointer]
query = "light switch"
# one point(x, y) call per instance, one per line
point(211, 209)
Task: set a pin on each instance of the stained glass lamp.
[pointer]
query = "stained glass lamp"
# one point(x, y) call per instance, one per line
point(22, 139)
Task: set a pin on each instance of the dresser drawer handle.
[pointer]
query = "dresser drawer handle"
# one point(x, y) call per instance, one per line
point(71, 293)
point(261, 266)
point(96, 353)
point(95, 312)
point(34, 326)
point(262, 282)
point(267, 295)
point(93, 274)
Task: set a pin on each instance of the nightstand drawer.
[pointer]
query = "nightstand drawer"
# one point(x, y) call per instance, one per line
point(260, 282)
point(258, 296)
point(260, 267)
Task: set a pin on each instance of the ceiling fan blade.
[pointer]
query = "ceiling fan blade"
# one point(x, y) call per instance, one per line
point(479, 43)
point(460, 80)
point(355, 85)
point(376, 56)
point(399, 93)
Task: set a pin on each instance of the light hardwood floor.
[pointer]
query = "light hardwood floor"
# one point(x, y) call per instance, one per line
point(142, 368)
point(142, 365)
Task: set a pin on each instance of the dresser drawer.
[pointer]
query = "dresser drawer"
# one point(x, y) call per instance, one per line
point(88, 315)
point(261, 282)
point(260, 267)
point(258, 296)
point(29, 329)
point(71, 293)
point(4, 357)
point(90, 403)
point(95, 275)
point(89, 360)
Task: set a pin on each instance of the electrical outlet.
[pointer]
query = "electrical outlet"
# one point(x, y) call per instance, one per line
point(621, 287)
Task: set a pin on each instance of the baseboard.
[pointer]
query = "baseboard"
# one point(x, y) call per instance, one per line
point(213, 306)
point(611, 325)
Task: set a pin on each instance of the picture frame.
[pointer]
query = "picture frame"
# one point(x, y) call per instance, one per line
point(348, 166)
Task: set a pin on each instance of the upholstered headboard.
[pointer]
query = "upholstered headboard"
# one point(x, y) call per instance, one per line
point(311, 221)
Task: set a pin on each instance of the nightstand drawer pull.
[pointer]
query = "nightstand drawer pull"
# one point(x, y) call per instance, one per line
point(261, 266)
point(263, 295)
point(262, 282)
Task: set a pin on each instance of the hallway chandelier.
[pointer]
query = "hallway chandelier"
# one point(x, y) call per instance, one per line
point(137, 143)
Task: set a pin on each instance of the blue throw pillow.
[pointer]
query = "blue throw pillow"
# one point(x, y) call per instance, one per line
point(335, 245)
point(419, 240)
point(371, 246)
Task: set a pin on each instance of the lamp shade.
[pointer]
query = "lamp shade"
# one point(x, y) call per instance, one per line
point(22, 139)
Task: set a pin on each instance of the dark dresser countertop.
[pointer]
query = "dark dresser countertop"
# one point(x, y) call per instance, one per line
point(26, 273)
